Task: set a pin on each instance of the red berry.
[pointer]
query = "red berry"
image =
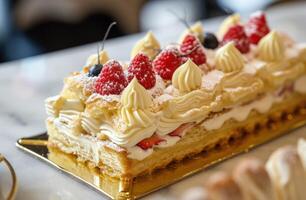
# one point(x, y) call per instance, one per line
point(257, 27)
point(237, 35)
point(141, 68)
point(111, 80)
point(193, 49)
point(167, 62)
point(150, 142)
point(178, 132)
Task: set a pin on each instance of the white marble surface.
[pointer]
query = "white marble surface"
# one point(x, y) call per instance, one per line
point(26, 83)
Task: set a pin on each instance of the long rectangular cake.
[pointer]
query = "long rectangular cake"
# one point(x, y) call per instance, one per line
point(129, 119)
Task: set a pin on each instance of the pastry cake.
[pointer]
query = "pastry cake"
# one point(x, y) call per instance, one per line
point(283, 177)
point(129, 119)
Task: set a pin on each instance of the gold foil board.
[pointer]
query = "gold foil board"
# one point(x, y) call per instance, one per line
point(140, 186)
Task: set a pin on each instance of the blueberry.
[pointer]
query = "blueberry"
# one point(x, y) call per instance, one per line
point(95, 70)
point(210, 41)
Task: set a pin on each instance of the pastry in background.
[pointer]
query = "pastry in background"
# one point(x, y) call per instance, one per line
point(253, 180)
point(195, 193)
point(221, 186)
point(301, 148)
point(287, 173)
point(147, 45)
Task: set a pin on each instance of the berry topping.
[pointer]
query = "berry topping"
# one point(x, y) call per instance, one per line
point(111, 80)
point(180, 130)
point(257, 27)
point(237, 35)
point(167, 62)
point(150, 142)
point(95, 70)
point(141, 68)
point(210, 41)
point(193, 49)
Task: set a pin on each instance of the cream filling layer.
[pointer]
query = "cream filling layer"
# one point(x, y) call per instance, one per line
point(89, 148)
point(52, 105)
point(89, 124)
point(192, 107)
point(137, 153)
point(129, 138)
point(89, 144)
point(240, 113)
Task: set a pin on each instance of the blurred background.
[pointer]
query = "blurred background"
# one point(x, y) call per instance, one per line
point(32, 27)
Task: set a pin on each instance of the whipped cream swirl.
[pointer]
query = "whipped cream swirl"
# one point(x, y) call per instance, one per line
point(271, 47)
point(139, 122)
point(229, 59)
point(187, 77)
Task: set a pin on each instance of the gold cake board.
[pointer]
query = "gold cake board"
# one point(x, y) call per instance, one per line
point(138, 187)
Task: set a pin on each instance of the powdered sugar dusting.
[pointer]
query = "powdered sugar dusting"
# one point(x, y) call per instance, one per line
point(107, 98)
point(159, 87)
point(102, 143)
point(111, 79)
point(86, 81)
point(120, 124)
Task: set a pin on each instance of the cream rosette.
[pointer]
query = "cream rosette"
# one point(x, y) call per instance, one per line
point(271, 48)
point(278, 67)
point(229, 59)
point(236, 86)
point(187, 77)
point(147, 45)
point(138, 120)
point(136, 103)
point(193, 105)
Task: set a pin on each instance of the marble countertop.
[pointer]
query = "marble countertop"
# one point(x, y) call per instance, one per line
point(24, 84)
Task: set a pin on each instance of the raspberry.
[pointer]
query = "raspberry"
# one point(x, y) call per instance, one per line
point(111, 80)
point(141, 68)
point(193, 49)
point(179, 131)
point(150, 142)
point(257, 27)
point(167, 62)
point(237, 35)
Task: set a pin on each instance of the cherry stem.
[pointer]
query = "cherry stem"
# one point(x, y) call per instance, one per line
point(182, 20)
point(104, 38)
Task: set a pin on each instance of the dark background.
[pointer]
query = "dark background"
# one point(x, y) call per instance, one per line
point(32, 27)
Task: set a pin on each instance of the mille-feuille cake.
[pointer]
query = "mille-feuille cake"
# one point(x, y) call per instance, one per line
point(167, 104)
